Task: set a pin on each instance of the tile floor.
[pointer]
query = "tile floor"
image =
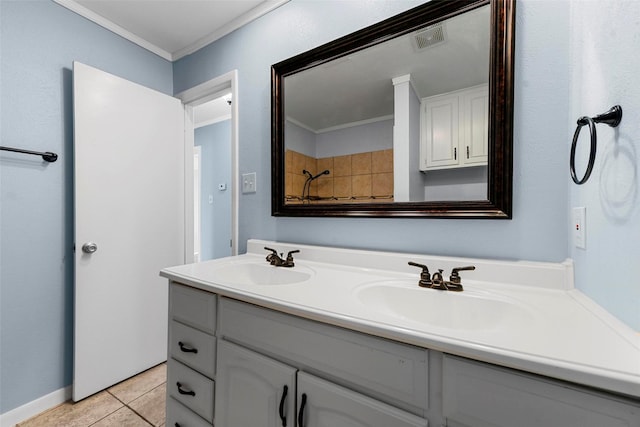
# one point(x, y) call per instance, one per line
point(136, 402)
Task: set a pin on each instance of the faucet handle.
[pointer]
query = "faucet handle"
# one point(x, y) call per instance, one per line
point(273, 256)
point(455, 277)
point(425, 276)
point(274, 252)
point(290, 254)
point(289, 261)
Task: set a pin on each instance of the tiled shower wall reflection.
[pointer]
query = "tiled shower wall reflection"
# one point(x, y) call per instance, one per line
point(355, 178)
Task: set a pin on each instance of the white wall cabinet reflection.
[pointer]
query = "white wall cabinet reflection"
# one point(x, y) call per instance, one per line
point(454, 129)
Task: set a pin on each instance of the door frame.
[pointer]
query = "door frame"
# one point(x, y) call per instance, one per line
point(193, 97)
point(197, 201)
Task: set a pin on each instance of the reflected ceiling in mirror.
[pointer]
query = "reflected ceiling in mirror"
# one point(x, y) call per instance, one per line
point(400, 118)
point(450, 55)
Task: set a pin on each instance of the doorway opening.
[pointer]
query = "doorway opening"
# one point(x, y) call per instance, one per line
point(212, 179)
point(211, 123)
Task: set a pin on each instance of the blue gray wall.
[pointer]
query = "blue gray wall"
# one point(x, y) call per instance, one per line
point(39, 41)
point(538, 231)
point(356, 139)
point(215, 217)
point(539, 228)
point(603, 74)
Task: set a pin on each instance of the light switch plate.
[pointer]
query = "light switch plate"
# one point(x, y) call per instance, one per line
point(579, 227)
point(249, 182)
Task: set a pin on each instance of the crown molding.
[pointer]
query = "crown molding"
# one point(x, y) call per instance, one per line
point(113, 27)
point(233, 25)
point(230, 27)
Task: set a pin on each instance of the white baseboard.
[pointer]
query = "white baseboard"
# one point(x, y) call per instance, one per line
point(28, 410)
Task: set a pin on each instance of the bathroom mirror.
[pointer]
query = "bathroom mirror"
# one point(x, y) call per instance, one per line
point(409, 117)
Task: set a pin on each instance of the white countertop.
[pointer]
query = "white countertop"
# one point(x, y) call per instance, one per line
point(553, 330)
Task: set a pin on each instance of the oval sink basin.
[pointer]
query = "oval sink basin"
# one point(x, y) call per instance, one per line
point(443, 309)
point(260, 274)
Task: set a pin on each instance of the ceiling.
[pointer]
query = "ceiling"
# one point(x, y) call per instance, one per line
point(358, 88)
point(171, 28)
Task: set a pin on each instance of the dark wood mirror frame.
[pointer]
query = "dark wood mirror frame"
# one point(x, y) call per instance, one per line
point(500, 162)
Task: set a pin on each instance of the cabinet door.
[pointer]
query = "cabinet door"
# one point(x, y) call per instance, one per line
point(480, 395)
point(475, 117)
point(324, 404)
point(253, 390)
point(440, 132)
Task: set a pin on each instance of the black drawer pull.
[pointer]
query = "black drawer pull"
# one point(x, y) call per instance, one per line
point(188, 392)
point(187, 349)
point(303, 402)
point(176, 425)
point(283, 416)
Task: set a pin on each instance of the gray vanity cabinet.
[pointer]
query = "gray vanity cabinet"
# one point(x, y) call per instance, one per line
point(253, 390)
point(192, 357)
point(385, 370)
point(179, 415)
point(336, 377)
point(479, 395)
point(325, 404)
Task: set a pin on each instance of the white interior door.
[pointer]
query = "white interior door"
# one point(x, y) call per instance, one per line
point(129, 202)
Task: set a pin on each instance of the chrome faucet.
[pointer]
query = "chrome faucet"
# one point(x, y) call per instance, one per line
point(437, 281)
point(274, 259)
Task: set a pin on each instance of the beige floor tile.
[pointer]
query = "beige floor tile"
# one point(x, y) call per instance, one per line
point(122, 417)
point(80, 414)
point(151, 406)
point(142, 383)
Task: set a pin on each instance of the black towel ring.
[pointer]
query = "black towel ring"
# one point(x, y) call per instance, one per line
point(612, 118)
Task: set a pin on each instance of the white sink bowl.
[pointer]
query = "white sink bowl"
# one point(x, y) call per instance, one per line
point(262, 274)
point(466, 310)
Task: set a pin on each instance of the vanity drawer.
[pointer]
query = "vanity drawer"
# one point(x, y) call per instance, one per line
point(192, 347)
point(195, 391)
point(193, 307)
point(480, 395)
point(386, 370)
point(180, 415)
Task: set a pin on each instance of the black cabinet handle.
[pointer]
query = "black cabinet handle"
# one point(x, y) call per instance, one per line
point(176, 425)
point(303, 402)
point(187, 349)
point(283, 416)
point(188, 392)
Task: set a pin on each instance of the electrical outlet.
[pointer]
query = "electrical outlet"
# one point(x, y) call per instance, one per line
point(249, 182)
point(580, 227)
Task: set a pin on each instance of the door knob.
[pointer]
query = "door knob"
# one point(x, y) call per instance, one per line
point(89, 248)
